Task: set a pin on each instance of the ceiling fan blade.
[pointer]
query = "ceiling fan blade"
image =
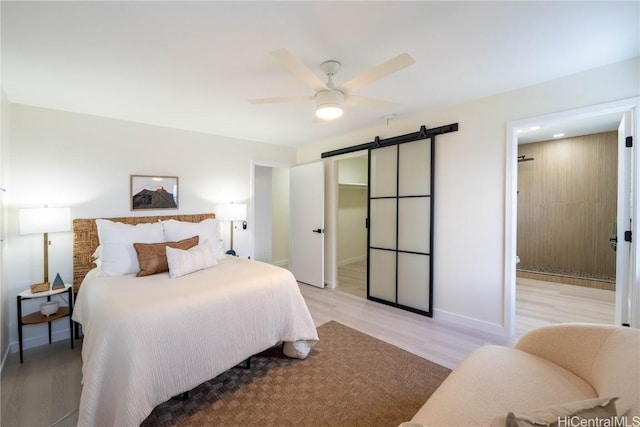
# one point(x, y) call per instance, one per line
point(369, 102)
point(299, 69)
point(391, 66)
point(281, 99)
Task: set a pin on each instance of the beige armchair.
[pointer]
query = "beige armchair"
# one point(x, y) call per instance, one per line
point(550, 365)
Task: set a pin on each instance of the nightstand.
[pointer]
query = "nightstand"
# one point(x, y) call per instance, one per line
point(36, 317)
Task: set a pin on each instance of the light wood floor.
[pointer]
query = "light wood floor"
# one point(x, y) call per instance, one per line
point(46, 388)
point(537, 302)
point(352, 278)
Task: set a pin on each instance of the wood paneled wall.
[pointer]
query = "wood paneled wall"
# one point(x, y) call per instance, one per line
point(567, 201)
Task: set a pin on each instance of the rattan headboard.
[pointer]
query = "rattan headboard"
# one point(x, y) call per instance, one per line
point(85, 239)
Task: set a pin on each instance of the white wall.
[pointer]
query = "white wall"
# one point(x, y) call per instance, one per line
point(352, 209)
point(84, 162)
point(4, 173)
point(262, 218)
point(280, 216)
point(470, 168)
point(271, 217)
point(353, 170)
point(352, 233)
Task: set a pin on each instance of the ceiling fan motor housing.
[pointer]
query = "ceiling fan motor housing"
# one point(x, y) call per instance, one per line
point(332, 96)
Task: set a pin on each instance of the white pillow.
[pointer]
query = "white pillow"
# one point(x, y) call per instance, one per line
point(182, 262)
point(208, 232)
point(96, 257)
point(117, 256)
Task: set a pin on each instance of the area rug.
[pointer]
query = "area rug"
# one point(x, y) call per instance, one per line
point(349, 379)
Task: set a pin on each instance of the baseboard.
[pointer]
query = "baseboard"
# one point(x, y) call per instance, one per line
point(39, 340)
point(567, 280)
point(468, 322)
point(4, 357)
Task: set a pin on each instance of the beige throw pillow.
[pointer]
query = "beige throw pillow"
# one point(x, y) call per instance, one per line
point(565, 414)
point(183, 262)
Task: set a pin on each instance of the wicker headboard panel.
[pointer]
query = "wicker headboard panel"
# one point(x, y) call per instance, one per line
point(85, 239)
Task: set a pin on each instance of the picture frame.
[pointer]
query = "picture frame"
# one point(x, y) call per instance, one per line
point(153, 192)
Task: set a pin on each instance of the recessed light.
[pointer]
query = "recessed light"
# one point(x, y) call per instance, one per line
point(558, 135)
point(528, 129)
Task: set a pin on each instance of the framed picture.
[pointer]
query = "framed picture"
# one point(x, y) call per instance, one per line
point(154, 192)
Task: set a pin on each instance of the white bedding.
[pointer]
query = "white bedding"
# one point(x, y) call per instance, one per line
point(147, 339)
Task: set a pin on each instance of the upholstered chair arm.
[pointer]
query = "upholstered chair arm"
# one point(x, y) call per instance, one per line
point(606, 356)
point(572, 346)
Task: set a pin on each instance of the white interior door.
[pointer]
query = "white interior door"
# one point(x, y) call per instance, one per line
point(625, 213)
point(306, 241)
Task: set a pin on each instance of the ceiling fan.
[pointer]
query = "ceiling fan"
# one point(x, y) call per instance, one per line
point(329, 98)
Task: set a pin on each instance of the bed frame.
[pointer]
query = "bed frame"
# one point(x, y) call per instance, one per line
point(85, 239)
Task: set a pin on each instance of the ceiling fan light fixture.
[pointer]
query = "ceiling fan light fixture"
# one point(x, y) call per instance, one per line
point(329, 104)
point(329, 112)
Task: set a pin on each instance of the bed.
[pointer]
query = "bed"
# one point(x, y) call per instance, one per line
point(149, 338)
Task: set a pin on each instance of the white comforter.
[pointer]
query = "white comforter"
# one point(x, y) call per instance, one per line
point(147, 339)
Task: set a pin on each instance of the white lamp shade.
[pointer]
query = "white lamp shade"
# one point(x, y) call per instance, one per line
point(232, 212)
point(44, 220)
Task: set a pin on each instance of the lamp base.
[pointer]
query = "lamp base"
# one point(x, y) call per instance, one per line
point(39, 287)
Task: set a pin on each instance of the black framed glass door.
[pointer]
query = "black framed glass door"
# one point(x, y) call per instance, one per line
point(400, 233)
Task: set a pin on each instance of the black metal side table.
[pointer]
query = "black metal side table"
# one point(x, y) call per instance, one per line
point(36, 317)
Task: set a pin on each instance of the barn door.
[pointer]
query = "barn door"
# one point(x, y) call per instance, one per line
point(400, 240)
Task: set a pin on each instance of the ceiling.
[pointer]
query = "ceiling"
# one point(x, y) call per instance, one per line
point(570, 127)
point(193, 65)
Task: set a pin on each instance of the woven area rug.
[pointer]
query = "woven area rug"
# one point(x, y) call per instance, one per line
point(349, 379)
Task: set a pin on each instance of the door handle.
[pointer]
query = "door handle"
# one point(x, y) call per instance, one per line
point(318, 230)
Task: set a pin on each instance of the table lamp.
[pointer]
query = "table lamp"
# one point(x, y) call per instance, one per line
point(233, 212)
point(44, 221)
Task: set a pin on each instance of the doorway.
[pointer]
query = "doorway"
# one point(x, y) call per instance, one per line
point(279, 214)
point(271, 214)
point(625, 266)
point(567, 209)
point(351, 235)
